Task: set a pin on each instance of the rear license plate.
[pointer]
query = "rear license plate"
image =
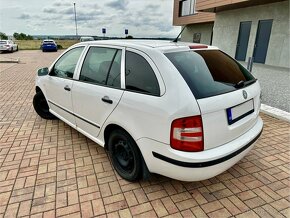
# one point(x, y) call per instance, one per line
point(240, 111)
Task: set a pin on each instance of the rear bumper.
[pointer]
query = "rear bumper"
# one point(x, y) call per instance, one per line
point(195, 166)
point(49, 48)
point(5, 49)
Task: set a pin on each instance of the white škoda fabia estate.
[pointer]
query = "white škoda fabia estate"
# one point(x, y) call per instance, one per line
point(185, 111)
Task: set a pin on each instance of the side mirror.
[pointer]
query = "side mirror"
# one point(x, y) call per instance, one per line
point(43, 71)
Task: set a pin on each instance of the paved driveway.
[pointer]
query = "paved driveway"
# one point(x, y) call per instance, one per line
point(48, 169)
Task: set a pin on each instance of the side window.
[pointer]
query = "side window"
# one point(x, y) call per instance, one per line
point(139, 75)
point(66, 65)
point(102, 66)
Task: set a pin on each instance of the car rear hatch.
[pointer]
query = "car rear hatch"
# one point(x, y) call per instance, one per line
point(48, 43)
point(227, 94)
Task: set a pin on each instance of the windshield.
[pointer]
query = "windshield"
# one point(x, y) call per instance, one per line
point(210, 72)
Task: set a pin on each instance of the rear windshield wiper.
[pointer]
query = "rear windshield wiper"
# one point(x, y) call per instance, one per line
point(247, 83)
point(242, 83)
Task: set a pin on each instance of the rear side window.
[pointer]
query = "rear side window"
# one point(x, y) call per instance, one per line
point(102, 66)
point(140, 77)
point(209, 72)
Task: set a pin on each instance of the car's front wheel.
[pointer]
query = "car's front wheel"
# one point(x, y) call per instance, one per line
point(41, 107)
point(125, 155)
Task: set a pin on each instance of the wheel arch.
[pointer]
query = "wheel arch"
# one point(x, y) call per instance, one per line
point(145, 174)
point(38, 89)
point(109, 128)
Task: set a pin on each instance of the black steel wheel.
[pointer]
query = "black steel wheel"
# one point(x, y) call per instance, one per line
point(125, 155)
point(41, 107)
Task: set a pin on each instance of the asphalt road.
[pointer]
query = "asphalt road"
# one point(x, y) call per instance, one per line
point(275, 84)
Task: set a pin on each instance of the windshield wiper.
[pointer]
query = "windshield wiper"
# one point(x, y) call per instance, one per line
point(240, 84)
point(250, 82)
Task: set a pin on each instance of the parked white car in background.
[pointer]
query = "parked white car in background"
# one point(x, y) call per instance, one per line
point(86, 38)
point(8, 45)
point(185, 111)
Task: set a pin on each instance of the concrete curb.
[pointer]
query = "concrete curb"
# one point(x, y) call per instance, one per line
point(10, 60)
point(275, 112)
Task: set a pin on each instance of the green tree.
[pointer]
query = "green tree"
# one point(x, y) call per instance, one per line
point(16, 35)
point(129, 37)
point(3, 36)
point(22, 36)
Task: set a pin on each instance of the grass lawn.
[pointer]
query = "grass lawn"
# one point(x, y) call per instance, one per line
point(35, 44)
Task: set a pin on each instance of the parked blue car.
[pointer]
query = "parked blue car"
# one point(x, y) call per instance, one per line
point(48, 45)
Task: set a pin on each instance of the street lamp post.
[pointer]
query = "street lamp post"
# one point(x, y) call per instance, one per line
point(76, 19)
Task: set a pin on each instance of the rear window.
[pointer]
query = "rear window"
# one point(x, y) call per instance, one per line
point(48, 42)
point(210, 72)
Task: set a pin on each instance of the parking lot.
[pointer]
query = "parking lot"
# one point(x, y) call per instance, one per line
point(48, 169)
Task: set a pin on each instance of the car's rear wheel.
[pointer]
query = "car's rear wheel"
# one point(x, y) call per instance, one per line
point(125, 155)
point(41, 107)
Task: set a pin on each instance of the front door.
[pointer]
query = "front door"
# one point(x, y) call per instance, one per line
point(243, 40)
point(98, 90)
point(262, 40)
point(59, 85)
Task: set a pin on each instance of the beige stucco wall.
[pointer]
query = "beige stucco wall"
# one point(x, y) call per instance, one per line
point(226, 30)
point(204, 29)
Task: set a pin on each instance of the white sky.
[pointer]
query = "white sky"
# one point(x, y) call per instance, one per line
point(143, 18)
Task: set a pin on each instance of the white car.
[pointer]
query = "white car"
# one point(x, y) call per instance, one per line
point(185, 111)
point(8, 45)
point(86, 38)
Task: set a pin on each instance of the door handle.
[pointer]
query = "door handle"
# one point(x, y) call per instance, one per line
point(67, 88)
point(107, 100)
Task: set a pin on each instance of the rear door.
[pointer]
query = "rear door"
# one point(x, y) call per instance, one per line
point(99, 89)
point(227, 94)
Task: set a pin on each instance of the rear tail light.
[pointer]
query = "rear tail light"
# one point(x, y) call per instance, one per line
point(187, 134)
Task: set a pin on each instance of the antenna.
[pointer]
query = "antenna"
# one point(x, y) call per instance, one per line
point(176, 39)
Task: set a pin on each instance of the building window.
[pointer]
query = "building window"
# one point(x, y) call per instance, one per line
point(186, 7)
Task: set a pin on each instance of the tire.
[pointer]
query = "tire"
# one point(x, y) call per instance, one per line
point(41, 107)
point(43, 50)
point(125, 155)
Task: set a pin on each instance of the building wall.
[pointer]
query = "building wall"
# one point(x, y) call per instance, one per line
point(226, 30)
point(205, 30)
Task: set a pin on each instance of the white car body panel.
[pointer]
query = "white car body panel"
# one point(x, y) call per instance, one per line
point(148, 118)
point(216, 129)
point(196, 173)
point(59, 100)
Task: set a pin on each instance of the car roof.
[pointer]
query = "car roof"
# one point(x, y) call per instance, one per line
point(162, 45)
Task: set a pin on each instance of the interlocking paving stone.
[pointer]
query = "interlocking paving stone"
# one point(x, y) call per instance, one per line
point(47, 169)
